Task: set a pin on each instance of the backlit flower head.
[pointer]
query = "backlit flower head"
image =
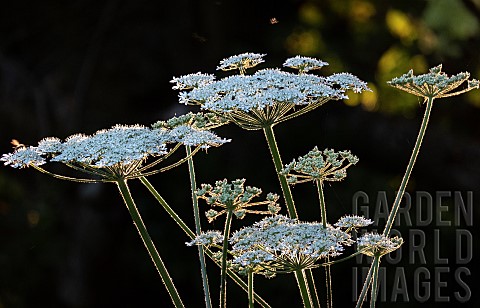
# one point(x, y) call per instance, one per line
point(199, 120)
point(316, 165)
point(192, 81)
point(235, 197)
point(23, 157)
point(280, 244)
point(304, 64)
point(207, 238)
point(434, 84)
point(109, 154)
point(269, 96)
point(352, 222)
point(241, 62)
point(374, 244)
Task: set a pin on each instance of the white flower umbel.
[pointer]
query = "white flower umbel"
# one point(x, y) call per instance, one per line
point(304, 64)
point(23, 157)
point(326, 165)
point(352, 222)
point(109, 154)
point(207, 238)
point(192, 81)
point(241, 62)
point(199, 120)
point(234, 197)
point(434, 84)
point(280, 244)
point(374, 244)
point(269, 96)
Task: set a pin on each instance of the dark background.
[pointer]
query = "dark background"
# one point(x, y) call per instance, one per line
point(80, 66)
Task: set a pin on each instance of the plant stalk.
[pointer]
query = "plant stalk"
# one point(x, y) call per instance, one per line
point(251, 299)
point(198, 229)
point(142, 230)
point(223, 274)
point(303, 287)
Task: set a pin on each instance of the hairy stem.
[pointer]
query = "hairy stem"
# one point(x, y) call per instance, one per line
point(366, 285)
point(251, 299)
point(198, 229)
point(401, 191)
point(277, 160)
point(376, 264)
point(408, 172)
point(287, 195)
point(223, 273)
point(321, 197)
point(142, 230)
point(303, 287)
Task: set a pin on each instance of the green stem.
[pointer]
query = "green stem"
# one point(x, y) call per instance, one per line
point(365, 287)
point(277, 160)
point(223, 273)
point(251, 299)
point(328, 282)
point(401, 190)
point(321, 197)
point(411, 163)
point(304, 292)
point(287, 195)
point(311, 285)
point(376, 264)
point(191, 235)
point(198, 229)
point(142, 230)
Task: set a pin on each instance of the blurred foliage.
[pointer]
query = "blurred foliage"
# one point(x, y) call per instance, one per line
point(79, 66)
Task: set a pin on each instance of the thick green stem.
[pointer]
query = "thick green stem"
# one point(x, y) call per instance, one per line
point(277, 160)
point(376, 264)
point(223, 273)
point(321, 197)
point(142, 230)
point(191, 235)
point(304, 292)
point(287, 195)
point(251, 299)
point(198, 229)
point(312, 287)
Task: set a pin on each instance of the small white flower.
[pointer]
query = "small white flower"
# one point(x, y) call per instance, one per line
point(207, 238)
point(241, 61)
point(191, 81)
point(304, 64)
point(434, 84)
point(23, 157)
point(352, 222)
point(286, 244)
point(374, 244)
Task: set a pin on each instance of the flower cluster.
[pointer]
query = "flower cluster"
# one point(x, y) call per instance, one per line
point(199, 120)
point(268, 96)
point(207, 238)
point(235, 197)
point(304, 64)
point(119, 151)
point(317, 165)
point(374, 244)
point(280, 244)
point(352, 222)
point(241, 62)
point(434, 84)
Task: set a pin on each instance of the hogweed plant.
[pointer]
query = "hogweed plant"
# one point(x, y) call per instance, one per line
point(259, 100)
